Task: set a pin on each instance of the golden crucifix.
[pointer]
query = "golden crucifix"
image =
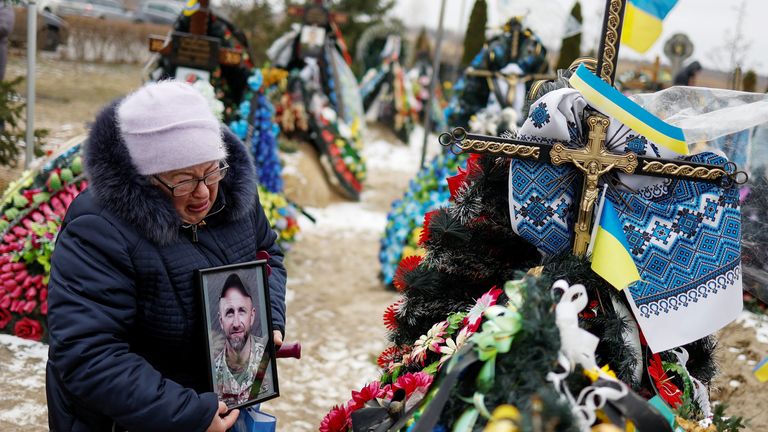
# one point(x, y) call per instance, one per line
point(593, 160)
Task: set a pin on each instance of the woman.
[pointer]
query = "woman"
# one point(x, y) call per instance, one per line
point(170, 192)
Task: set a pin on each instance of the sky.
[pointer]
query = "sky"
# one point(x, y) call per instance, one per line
point(708, 24)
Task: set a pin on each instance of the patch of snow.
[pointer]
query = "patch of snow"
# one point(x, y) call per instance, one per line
point(751, 362)
point(25, 349)
point(757, 322)
point(741, 357)
point(344, 217)
point(734, 350)
point(391, 157)
point(734, 383)
point(19, 414)
point(289, 293)
point(290, 163)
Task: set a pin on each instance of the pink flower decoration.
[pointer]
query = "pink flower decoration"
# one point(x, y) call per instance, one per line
point(337, 420)
point(367, 393)
point(411, 382)
point(475, 314)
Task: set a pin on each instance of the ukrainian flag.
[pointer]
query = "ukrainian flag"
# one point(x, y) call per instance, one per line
point(642, 22)
point(610, 252)
point(610, 101)
point(761, 370)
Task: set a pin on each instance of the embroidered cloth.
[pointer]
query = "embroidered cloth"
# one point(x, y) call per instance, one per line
point(684, 235)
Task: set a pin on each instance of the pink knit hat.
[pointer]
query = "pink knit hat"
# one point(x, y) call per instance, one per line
point(168, 125)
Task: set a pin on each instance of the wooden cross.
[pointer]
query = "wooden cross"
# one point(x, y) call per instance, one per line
point(195, 49)
point(317, 13)
point(593, 160)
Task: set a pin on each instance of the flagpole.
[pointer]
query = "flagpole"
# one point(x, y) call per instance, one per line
point(31, 60)
point(432, 83)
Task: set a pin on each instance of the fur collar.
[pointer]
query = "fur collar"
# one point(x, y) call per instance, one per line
point(118, 187)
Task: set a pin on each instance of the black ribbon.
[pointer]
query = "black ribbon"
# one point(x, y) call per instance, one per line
point(377, 417)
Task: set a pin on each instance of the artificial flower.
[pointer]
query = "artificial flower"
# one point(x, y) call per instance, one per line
point(475, 315)
point(666, 388)
point(337, 419)
point(5, 318)
point(390, 318)
point(451, 347)
point(367, 393)
point(425, 233)
point(429, 342)
point(394, 357)
point(388, 356)
point(412, 383)
point(407, 265)
point(26, 328)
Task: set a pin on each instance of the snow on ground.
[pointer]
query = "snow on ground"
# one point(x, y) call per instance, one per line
point(384, 154)
point(758, 322)
point(22, 399)
point(343, 218)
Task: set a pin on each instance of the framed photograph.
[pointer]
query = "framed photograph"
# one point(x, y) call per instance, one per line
point(238, 319)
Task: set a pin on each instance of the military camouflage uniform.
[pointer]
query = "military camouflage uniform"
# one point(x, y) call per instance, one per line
point(232, 391)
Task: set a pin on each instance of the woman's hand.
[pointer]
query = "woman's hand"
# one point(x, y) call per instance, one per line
point(221, 422)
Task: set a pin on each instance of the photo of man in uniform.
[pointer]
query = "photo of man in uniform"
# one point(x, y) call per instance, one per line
point(237, 366)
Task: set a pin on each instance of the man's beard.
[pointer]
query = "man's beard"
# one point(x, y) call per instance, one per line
point(237, 342)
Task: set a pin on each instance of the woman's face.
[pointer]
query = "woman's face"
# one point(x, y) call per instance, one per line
point(192, 207)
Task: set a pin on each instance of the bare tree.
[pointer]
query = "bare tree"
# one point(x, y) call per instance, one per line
point(734, 51)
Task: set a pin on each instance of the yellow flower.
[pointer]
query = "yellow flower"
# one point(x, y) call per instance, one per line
point(505, 418)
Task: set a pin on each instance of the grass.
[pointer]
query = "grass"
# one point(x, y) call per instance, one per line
point(68, 95)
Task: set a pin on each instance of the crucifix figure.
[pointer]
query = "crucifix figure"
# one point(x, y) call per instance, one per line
point(593, 160)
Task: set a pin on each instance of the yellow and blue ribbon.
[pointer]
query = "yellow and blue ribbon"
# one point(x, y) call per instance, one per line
point(611, 258)
point(761, 370)
point(611, 102)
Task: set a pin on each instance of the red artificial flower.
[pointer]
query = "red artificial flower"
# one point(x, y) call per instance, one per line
point(407, 265)
point(388, 356)
point(425, 233)
point(411, 382)
point(473, 164)
point(475, 314)
point(590, 311)
point(367, 393)
point(26, 328)
point(327, 136)
point(664, 385)
point(44, 308)
point(455, 182)
point(337, 420)
point(5, 318)
point(390, 321)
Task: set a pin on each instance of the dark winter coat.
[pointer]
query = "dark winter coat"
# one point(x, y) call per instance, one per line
point(686, 74)
point(126, 333)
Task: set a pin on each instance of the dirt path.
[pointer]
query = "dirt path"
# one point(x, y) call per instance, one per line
point(336, 299)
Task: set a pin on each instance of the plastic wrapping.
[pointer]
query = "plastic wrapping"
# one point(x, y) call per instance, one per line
point(712, 119)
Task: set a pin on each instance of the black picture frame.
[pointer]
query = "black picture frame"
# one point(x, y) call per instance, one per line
point(229, 385)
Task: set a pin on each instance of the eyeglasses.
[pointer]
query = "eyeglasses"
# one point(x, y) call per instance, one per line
point(188, 186)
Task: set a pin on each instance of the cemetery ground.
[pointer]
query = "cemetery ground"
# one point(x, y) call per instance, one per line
point(335, 299)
